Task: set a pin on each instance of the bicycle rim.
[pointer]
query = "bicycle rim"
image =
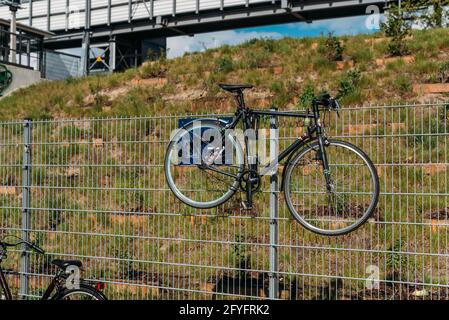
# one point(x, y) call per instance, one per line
point(79, 295)
point(196, 186)
point(354, 195)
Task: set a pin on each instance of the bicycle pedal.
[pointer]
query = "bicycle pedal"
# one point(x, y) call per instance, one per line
point(247, 205)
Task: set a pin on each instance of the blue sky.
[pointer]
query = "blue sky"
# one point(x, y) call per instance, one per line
point(177, 46)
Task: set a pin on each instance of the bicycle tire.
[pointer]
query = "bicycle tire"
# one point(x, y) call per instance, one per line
point(84, 289)
point(374, 183)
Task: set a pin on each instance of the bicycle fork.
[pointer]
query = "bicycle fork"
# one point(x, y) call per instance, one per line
point(322, 152)
point(325, 164)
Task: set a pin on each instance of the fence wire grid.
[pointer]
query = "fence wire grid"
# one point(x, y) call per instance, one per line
point(95, 190)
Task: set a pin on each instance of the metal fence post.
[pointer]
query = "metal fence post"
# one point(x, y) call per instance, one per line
point(274, 192)
point(25, 263)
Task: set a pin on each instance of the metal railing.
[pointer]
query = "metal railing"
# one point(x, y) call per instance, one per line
point(28, 51)
point(94, 190)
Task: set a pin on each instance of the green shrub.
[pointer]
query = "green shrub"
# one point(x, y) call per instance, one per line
point(333, 48)
point(397, 48)
point(403, 84)
point(307, 95)
point(224, 64)
point(395, 260)
point(443, 72)
point(397, 28)
point(349, 83)
point(241, 256)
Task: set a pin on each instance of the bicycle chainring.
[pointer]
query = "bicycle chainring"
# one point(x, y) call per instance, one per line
point(244, 181)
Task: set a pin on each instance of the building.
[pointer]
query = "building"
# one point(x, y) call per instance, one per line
point(24, 64)
point(29, 50)
point(117, 34)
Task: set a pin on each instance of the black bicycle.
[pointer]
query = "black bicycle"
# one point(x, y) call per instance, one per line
point(64, 286)
point(331, 187)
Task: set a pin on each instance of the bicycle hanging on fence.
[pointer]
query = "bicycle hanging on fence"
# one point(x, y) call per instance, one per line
point(58, 288)
point(331, 187)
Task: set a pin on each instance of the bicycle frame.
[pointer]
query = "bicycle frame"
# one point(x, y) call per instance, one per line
point(4, 284)
point(246, 115)
point(7, 291)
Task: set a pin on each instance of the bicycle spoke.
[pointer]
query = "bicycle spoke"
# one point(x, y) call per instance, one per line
point(215, 177)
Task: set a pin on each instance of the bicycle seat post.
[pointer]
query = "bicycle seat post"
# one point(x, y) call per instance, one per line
point(240, 98)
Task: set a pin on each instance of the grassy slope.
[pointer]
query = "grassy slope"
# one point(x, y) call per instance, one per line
point(280, 69)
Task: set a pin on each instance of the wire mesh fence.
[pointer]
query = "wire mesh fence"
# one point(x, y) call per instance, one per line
point(97, 193)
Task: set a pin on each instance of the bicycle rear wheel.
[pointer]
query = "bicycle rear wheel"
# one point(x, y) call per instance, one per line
point(203, 164)
point(354, 193)
point(84, 292)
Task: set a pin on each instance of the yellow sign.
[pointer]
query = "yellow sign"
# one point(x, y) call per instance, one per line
point(99, 59)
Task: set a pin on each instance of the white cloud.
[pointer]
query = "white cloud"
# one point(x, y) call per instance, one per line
point(340, 26)
point(177, 46)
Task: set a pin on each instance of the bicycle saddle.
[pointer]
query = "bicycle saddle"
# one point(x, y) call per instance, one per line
point(63, 264)
point(233, 88)
point(324, 99)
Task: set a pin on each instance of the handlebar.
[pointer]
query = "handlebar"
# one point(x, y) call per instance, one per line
point(35, 248)
point(327, 101)
point(27, 243)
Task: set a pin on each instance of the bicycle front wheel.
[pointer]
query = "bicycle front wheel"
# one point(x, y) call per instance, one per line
point(203, 164)
point(353, 195)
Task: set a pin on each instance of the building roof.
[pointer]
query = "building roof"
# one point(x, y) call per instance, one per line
point(28, 29)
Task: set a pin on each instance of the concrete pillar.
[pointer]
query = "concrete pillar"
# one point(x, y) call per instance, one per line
point(112, 54)
point(13, 38)
point(85, 47)
point(85, 54)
